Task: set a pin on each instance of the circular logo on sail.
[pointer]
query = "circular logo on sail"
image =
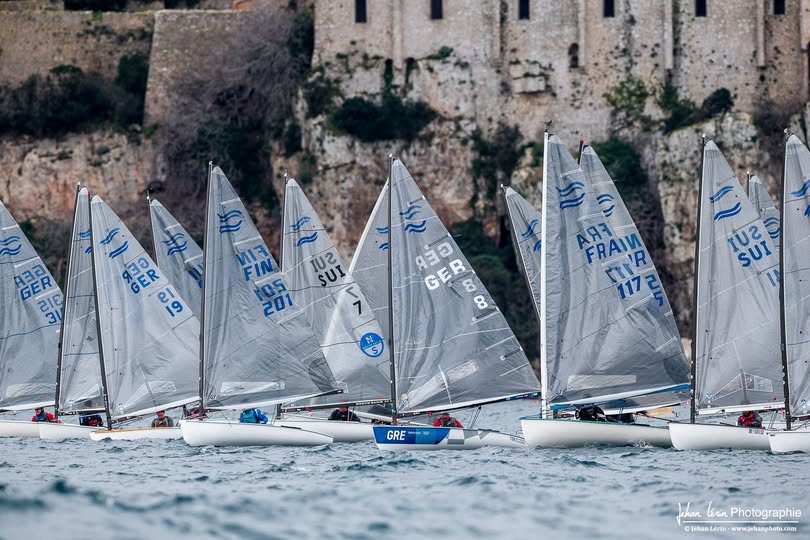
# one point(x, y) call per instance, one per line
point(372, 344)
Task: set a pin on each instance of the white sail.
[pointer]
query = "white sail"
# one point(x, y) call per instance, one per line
point(178, 255)
point(452, 345)
point(337, 311)
point(768, 211)
point(369, 266)
point(149, 335)
point(32, 313)
point(608, 328)
point(80, 385)
point(258, 348)
point(737, 338)
point(796, 273)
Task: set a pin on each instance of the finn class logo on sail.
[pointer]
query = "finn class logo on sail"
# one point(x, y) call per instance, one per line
point(108, 240)
point(801, 193)
point(85, 235)
point(296, 227)
point(225, 221)
point(530, 231)
point(570, 191)
point(729, 212)
point(10, 246)
point(177, 243)
point(409, 213)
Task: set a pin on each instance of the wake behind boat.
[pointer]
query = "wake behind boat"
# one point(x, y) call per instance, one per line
point(607, 330)
point(451, 346)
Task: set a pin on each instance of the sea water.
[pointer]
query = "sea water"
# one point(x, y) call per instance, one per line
point(166, 489)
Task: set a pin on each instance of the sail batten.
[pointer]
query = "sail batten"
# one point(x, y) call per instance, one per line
point(32, 314)
point(148, 333)
point(258, 347)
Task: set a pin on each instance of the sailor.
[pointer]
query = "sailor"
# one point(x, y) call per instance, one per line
point(41, 416)
point(445, 420)
point(750, 419)
point(252, 416)
point(162, 420)
point(91, 420)
point(343, 414)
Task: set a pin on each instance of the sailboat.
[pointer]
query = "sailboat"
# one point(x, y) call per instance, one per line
point(340, 317)
point(450, 345)
point(29, 334)
point(177, 254)
point(608, 335)
point(79, 388)
point(736, 339)
point(147, 333)
point(257, 348)
point(762, 201)
point(795, 272)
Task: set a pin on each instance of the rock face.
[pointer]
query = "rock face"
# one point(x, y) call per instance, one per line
point(38, 177)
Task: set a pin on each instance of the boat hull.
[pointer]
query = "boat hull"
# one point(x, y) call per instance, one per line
point(789, 441)
point(339, 431)
point(19, 428)
point(58, 432)
point(398, 438)
point(717, 437)
point(137, 434)
point(563, 433)
point(204, 433)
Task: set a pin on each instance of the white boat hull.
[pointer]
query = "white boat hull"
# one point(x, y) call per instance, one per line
point(56, 432)
point(563, 433)
point(339, 431)
point(218, 433)
point(398, 438)
point(789, 441)
point(137, 434)
point(717, 437)
point(19, 428)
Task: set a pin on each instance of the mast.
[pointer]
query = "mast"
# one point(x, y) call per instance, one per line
point(202, 295)
point(64, 298)
point(151, 225)
point(782, 306)
point(693, 365)
point(98, 316)
point(391, 294)
point(542, 314)
point(283, 216)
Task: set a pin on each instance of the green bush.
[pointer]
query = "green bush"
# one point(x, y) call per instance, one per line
point(496, 159)
point(718, 102)
point(319, 94)
point(394, 119)
point(133, 71)
point(623, 162)
point(683, 112)
point(301, 42)
point(292, 139)
point(628, 100)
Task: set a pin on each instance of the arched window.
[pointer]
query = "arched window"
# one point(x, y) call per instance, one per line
point(778, 7)
point(360, 15)
point(700, 8)
point(573, 56)
point(608, 8)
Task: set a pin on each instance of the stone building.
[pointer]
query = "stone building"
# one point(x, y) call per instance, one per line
point(529, 61)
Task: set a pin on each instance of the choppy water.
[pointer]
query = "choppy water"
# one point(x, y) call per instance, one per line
point(82, 489)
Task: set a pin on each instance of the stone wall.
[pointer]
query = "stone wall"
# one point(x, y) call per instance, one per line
point(33, 42)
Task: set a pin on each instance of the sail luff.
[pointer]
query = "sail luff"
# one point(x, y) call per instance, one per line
point(762, 201)
point(390, 276)
point(696, 289)
point(203, 303)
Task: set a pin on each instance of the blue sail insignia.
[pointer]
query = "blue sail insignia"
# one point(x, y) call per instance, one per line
point(303, 220)
point(411, 211)
point(384, 245)
point(416, 227)
point(119, 250)
point(382, 230)
point(84, 234)
point(110, 235)
point(537, 246)
point(722, 192)
point(572, 203)
point(530, 229)
point(803, 190)
point(230, 227)
point(731, 212)
point(307, 239)
point(570, 189)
